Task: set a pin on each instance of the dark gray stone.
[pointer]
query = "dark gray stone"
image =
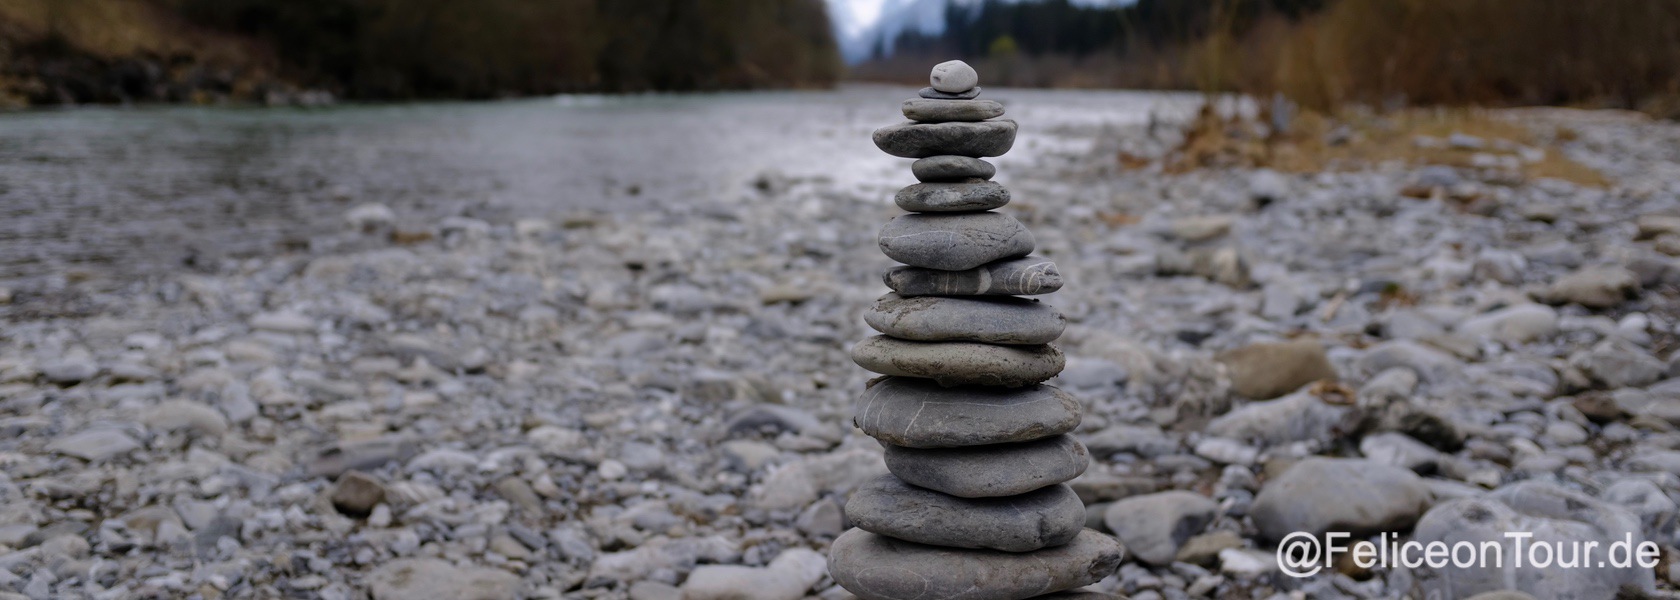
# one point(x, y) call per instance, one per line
point(990, 471)
point(919, 413)
point(948, 168)
point(933, 94)
point(1047, 517)
point(993, 320)
point(876, 567)
point(959, 363)
point(929, 110)
point(954, 242)
point(966, 196)
point(921, 140)
point(1025, 276)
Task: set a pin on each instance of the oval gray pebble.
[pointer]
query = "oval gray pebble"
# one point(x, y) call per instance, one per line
point(954, 242)
point(951, 168)
point(997, 320)
point(965, 196)
point(1048, 517)
point(959, 363)
point(921, 140)
point(919, 413)
point(929, 110)
point(1025, 276)
point(877, 567)
point(990, 471)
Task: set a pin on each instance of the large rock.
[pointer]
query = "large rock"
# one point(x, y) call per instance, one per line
point(876, 567)
point(959, 363)
point(1513, 324)
point(1553, 516)
point(1593, 287)
point(1153, 526)
point(1617, 365)
point(433, 579)
point(788, 577)
point(1357, 496)
point(953, 77)
point(963, 196)
point(921, 140)
point(930, 110)
point(1051, 516)
point(951, 168)
point(999, 320)
point(918, 413)
point(954, 242)
point(1026, 276)
point(1268, 370)
point(990, 471)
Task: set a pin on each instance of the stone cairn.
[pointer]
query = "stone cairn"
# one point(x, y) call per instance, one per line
point(976, 506)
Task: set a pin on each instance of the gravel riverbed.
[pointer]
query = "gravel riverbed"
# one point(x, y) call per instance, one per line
point(656, 403)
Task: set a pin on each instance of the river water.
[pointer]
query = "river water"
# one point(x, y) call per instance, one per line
point(110, 194)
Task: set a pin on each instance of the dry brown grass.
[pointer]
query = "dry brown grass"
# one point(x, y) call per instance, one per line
point(110, 29)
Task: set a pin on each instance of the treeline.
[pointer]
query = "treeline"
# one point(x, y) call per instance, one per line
point(397, 49)
point(1320, 52)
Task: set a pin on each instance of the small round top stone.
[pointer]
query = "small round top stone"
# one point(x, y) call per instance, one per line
point(953, 77)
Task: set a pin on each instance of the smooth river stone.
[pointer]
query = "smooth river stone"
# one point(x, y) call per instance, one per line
point(954, 242)
point(959, 363)
point(877, 567)
point(1026, 276)
point(943, 168)
point(993, 320)
point(933, 94)
point(918, 413)
point(921, 140)
point(965, 196)
point(928, 110)
point(990, 471)
point(953, 77)
point(1046, 517)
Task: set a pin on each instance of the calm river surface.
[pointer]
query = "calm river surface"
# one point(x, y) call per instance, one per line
point(109, 194)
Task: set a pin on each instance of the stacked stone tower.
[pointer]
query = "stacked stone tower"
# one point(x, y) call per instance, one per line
point(976, 506)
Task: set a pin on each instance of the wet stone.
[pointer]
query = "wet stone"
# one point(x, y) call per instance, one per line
point(930, 110)
point(997, 320)
point(919, 413)
point(965, 196)
point(990, 471)
point(934, 94)
point(955, 242)
point(1051, 516)
point(951, 168)
point(921, 140)
point(1025, 276)
point(959, 363)
point(876, 567)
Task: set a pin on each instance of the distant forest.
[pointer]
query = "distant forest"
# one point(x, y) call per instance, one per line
point(54, 51)
point(1321, 52)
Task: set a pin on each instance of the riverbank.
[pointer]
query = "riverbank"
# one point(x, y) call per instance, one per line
point(600, 404)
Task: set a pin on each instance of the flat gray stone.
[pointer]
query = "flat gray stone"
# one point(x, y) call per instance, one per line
point(921, 140)
point(954, 242)
point(993, 320)
point(990, 471)
point(433, 579)
point(951, 168)
point(929, 92)
point(965, 196)
point(1050, 516)
point(1025, 276)
point(1319, 495)
point(930, 110)
point(94, 444)
point(919, 413)
point(1154, 526)
point(876, 567)
point(959, 363)
point(953, 77)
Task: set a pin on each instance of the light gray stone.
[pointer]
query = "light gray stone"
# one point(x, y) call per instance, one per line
point(94, 444)
point(921, 140)
point(954, 242)
point(876, 567)
point(1513, 324)
point(995, 320)
point(1357, 496)
point(1050, 516)
point(1617, 365)
point(1026, 276)
point(788, 577)
point(1154, 526)
point(433, 579)
point(1298, 417)
point(951, 168)
point(990, 471)
point(962, 196)
point(1601, 286)
point(959, 363)
point(918, 413)
point(953, 77)
point(931, 110)
point(934, 94)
